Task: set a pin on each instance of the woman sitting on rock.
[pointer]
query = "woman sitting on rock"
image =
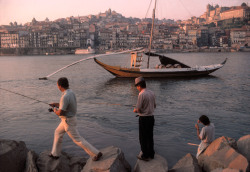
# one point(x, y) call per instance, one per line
point(206, 135)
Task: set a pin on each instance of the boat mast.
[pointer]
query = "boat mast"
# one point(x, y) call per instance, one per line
point(151, 36)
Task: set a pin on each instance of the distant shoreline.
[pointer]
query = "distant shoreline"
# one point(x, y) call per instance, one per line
point(70, 51)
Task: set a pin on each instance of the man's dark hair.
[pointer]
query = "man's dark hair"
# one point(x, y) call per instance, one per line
point(142, 84)
point(63, 82)
point(204, 119)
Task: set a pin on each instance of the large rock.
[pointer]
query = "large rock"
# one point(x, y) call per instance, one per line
point(219, 154)
point(225, 170)
point(31, 162)
point(65, 163)
point(188, 163)
point(113, 160)
point(158, 164)
point(243, 145)
point(12, 155)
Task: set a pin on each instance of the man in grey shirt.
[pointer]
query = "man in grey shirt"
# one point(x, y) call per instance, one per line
point(145, 108)
point(67, 113)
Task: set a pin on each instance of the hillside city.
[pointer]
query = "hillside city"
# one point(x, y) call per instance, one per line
point(219, 29)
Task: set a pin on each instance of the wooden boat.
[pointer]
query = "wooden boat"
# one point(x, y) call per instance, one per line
point(168, 68)
point(89, 50)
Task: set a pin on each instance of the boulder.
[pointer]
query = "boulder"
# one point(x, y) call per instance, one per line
point(188, 163)
point(31, 162)
point(65, 163)
point(158, 164)
point(12, 155)
point(243, 146)
point(112, 160)
point(225, 170)
point(219, 154)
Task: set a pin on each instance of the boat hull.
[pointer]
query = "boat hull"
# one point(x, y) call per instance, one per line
point(160, 73)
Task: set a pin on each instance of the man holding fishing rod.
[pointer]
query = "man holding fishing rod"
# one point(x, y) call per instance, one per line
point(145, 108)
point(66, 110)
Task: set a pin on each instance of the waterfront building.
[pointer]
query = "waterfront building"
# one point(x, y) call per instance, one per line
point(238, 36)
point(9, 40)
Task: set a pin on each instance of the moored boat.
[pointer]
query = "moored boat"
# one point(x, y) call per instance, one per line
point(89, 50)
point(168, 68)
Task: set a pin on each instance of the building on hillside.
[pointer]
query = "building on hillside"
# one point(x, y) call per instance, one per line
point(236, 12)
point(202, 36)
point(238, 36)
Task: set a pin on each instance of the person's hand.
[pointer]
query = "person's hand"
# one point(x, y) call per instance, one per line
point(135, 110)
point(197, 126)
point(54, 109)
point(52, 104)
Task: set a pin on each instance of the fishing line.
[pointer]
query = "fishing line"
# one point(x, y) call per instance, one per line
point(24, 96)
point(91, 57)
point(186, 8)
point(110, 104)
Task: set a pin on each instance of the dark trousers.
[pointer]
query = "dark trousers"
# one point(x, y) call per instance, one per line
point(146, 127)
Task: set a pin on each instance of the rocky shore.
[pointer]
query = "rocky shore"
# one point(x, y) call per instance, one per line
point(223, 155)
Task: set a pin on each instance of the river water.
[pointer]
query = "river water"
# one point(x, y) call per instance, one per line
point(103, 117)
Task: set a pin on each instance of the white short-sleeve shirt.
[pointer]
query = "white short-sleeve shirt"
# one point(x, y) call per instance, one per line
point(207, 133)
point(68, 103)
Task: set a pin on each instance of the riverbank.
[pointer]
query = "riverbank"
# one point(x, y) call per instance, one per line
point(222, 154)
point(66, 51)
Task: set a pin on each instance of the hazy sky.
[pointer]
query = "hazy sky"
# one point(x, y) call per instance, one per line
point(23, 11)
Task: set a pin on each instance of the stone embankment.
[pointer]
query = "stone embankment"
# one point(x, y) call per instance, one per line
point(223, 155)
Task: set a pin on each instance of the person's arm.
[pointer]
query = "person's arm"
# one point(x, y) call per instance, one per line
point(138, 104)
point(59, 112)
point(198, 130)
point(136, 110)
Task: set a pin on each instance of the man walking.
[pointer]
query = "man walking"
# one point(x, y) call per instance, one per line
point(145, 108)
point(66, 110)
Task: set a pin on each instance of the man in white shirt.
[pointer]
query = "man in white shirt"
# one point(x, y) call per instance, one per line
point(67, 112)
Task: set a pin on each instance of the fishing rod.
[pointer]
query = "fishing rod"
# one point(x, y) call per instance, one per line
point(91, 57)
point(50, 109)
point(192, 144)
point(25, 96)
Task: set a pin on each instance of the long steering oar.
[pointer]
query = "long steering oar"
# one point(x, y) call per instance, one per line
point(91, 57)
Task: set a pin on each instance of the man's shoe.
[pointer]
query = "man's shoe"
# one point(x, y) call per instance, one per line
point(97, 157)
point(53, 157)
point(143, 158)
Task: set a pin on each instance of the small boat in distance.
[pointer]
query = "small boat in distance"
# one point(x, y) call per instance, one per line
point(89, 50)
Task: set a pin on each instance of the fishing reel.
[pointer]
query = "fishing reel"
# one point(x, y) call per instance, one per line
point(51, 110)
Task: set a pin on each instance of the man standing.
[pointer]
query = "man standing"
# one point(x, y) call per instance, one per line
point(67, 112)
point(145, 108)
point(206, 135)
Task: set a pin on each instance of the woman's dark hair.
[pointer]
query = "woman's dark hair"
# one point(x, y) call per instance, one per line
point(142, 84)
point(63, 82)
point(204, 119)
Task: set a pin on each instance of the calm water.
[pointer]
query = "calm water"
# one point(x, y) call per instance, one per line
point(224, 96)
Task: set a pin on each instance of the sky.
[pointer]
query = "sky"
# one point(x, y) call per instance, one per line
point(23, 11)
